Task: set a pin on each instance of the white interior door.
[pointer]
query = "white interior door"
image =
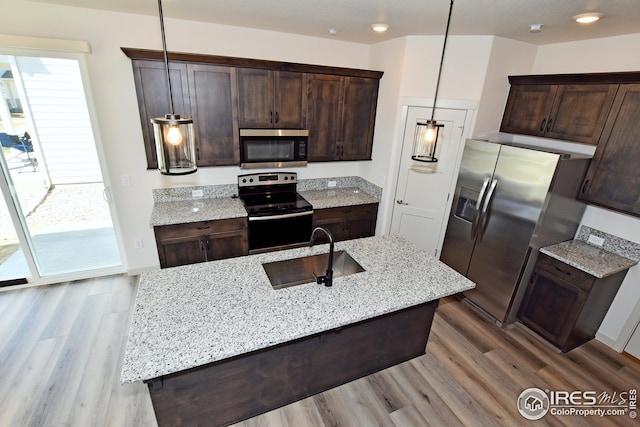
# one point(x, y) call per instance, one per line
point(422, 191)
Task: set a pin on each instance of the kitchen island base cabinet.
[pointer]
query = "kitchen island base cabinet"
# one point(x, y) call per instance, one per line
point(241, 387)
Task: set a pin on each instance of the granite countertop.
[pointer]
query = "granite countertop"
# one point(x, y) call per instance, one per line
point(588, 258)
point(337, 197)
point(206, 209)
point(184, 211)
point(197, 314)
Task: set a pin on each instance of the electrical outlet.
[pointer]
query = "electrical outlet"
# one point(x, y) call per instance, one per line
point(197, 194)
point(595, 240)
point(331, 184)
point(137, 243)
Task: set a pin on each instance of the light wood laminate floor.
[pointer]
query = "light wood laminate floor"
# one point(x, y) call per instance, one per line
point(61, 349)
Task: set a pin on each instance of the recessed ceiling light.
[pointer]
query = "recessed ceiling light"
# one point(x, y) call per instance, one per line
point(333, 31)
point(587, 18)
point(535, 28)
point(380, 28)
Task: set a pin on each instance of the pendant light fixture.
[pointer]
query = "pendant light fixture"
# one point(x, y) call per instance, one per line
point(425, 138)
point(174, 135)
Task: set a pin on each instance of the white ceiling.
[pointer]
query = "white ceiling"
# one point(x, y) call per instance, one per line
point(353, 18)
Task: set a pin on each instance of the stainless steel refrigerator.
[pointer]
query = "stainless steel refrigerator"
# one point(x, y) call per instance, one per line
point(509, 201)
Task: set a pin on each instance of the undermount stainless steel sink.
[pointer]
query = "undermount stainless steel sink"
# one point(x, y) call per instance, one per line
point(297, 271)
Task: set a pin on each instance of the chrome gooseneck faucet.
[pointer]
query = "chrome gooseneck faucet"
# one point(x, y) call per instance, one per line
point(327, 279)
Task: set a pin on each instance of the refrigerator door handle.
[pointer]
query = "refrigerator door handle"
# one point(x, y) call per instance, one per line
point(485, 208)
point(476, 216)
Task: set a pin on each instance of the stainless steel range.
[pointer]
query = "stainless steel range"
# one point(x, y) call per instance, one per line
point(279, 218)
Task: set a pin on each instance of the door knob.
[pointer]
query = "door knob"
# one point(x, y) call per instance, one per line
point(400, 202)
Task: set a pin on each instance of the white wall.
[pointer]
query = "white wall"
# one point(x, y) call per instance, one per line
point(389, 57)
point(411, 70)
point(508, 57)
point(604, 55)
point(115, 103)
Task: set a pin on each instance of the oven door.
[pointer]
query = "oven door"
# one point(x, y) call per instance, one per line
point(267, 148)
point(282, 231)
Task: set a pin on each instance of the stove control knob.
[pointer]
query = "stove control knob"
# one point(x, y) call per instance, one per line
point(244, 180)
point(286, 178)
point(250, 179)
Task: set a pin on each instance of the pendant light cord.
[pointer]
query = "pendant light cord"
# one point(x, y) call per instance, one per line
point(166, 58)
point(444, 46)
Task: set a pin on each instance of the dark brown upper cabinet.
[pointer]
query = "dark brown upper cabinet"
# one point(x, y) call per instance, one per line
point(341, 116)
point(597, 108)
point(571, 112)
point(213, 98)
point(204, 92)
point(153, 98)
point(224, 94)
point(325, 92)
point(613, 178)
point(271, 99)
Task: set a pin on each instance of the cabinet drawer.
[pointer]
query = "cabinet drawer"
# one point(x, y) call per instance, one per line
point(346, 212)
point(195, 229)
point(565, 272)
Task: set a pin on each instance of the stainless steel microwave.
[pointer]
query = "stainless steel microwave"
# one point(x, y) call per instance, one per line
point(273, 148)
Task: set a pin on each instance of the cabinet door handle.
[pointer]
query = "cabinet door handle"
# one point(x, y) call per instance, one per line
point(270, 116)
point(544, 122)
point(277, 118)
point(549, 125)
point(206, 227)
point(585, 186)
point(568, 273)
point(400, 202)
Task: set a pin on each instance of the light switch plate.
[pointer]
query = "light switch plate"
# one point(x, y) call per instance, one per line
point(595, 240)
point(197, 194)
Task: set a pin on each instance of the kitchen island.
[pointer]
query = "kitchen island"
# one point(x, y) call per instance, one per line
point(215, 341)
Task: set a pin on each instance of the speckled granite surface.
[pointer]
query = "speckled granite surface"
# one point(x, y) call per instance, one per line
point(184, 211)
point(614, 244)
point(331, 198)
point(176, 206)
point(184, 193)
point(196, 314)
point(341, 183)
point(588, 258)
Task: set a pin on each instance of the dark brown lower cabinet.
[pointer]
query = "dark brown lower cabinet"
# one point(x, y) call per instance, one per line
point(241, 387)
point(565, 305)
point(181, 244)
point(348, 222)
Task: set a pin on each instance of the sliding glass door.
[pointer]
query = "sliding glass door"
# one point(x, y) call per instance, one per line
point(53, 186)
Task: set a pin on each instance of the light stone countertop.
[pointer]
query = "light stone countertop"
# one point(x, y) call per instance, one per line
point(206, 209)
point(196, 314)
point(588, 258)
point(184, 211)
point(337, 197)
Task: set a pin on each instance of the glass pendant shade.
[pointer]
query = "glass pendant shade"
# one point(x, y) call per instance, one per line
point(175, 144)
point(425, 141)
